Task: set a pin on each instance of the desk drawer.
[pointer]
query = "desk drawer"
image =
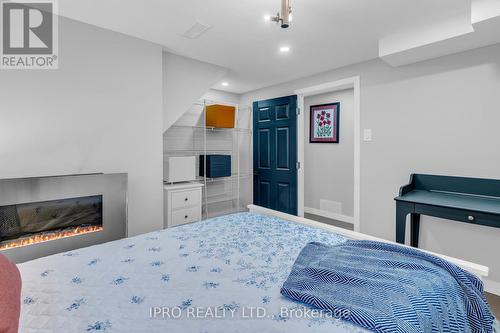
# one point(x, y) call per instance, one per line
point(188, 215)
point(461, 215)
point(183, 199)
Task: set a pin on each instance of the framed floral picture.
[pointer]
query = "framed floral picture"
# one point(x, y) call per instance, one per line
point(324, 123)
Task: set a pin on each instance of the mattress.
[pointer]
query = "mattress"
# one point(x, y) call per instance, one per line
point(218, 275)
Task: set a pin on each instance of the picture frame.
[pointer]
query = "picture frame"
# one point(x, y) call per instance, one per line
point(324, 123)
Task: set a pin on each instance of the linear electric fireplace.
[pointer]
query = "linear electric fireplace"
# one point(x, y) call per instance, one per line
point(41, 216)
point(35, 222)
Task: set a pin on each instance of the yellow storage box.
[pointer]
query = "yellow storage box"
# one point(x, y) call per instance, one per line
point(220, 116)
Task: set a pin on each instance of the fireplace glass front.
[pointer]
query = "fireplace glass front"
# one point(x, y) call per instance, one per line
point(29, 223)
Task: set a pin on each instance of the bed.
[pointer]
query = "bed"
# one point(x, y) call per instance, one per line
point(228, 269)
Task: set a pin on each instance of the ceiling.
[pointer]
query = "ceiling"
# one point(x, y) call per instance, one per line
point(324, 34)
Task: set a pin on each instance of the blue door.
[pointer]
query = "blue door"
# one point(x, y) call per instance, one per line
point(275, 154)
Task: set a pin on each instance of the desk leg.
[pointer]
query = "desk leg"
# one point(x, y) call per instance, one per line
point(414, 229)
point(402, 210)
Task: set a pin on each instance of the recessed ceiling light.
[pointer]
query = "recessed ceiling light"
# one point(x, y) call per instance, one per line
point(285, 49)
point(225, 84)
point(267, 18)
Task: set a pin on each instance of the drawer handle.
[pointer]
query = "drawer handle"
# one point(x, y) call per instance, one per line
point(186, 199)
point(471, 218)
point(185, 216)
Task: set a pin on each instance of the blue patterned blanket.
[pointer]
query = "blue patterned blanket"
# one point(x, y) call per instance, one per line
point(389, 288)
point(231, 263)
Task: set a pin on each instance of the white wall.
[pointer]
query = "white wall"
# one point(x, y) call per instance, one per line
point(439, 116)
point(185, 81)
point(328, 168)
point(101, 111)
point(215, 95)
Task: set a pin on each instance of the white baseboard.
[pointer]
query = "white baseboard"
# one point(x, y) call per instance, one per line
point(493, 287)
point(329, 215)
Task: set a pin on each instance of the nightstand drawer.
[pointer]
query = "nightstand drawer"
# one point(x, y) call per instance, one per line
point(182, 204)
point(183, 199)
point(188, 215)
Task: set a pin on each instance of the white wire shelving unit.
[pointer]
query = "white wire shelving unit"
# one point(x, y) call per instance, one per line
point(190, 137)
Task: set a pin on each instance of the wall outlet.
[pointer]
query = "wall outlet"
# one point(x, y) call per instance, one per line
point(367, 134)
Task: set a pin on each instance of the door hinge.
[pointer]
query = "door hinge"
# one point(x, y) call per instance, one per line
point(298, 165)
point(298, 111)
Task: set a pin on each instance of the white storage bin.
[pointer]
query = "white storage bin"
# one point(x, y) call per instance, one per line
point(179, 169)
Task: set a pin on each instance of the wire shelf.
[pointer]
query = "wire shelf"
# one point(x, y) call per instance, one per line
point(189, 136)
point(182, 151)
point(214, 129)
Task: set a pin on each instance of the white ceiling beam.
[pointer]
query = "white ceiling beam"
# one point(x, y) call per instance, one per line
point(477, 28)
point(482, 10)
point(425, 43)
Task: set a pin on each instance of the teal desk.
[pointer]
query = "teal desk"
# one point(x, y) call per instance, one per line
point(468, 200)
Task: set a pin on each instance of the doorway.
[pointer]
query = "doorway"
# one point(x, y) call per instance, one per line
point(330, 200)
point(329, 181)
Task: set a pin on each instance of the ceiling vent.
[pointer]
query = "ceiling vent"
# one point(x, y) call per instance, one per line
point(196, 30)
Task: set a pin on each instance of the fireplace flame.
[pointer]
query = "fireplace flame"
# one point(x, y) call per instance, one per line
point(45, 237)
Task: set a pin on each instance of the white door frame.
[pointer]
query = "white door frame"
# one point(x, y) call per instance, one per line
point(348, 83)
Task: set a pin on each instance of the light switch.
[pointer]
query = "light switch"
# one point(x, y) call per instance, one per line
point(367, 134)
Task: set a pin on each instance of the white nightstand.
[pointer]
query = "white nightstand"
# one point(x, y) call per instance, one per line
point(182, 203)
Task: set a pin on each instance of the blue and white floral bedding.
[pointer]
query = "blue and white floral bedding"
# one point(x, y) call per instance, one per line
point(218, 275)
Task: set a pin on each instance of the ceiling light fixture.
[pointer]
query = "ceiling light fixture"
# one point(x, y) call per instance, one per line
point(225, 84)
point(285, 49)
point(283, 18)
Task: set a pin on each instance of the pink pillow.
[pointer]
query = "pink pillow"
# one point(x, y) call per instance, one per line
point(10, 296)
